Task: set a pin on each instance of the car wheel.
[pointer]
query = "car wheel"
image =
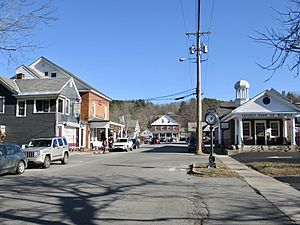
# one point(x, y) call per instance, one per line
point(20, 167)
point(47, 162)
point(65, 159)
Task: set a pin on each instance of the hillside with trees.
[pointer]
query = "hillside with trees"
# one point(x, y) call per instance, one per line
point(183, 112)
point(147, 112)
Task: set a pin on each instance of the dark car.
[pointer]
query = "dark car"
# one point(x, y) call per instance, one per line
point(12, 159)
point(155, 140)
point(192, 145)
point(136, 143)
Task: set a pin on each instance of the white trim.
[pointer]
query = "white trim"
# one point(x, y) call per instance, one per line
point(3, 109)
point(68, 106)
point(43, 99)
point(63, 105)
point(17, 108)
point(94, 109)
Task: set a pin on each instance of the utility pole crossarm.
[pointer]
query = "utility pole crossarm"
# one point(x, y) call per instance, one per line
point(195, 33)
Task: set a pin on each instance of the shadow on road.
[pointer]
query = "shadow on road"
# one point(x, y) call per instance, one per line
point(168, 149)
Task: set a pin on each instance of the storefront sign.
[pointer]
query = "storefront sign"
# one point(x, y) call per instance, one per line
point(264, 115)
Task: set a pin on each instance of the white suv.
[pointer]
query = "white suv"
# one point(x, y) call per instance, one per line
point(123, 144)
point(43, 151)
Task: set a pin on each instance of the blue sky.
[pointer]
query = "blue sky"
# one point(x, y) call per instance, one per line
point(130, 49)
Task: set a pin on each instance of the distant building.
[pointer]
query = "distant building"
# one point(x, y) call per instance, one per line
point(133, 128)
point(166, 128)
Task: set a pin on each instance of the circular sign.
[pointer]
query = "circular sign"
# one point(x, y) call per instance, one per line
point(211, 118)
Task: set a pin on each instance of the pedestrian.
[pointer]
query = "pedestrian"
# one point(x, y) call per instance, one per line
point(104, 145)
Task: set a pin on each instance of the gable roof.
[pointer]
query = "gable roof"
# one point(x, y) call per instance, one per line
point(278, 104)
point(24, 87)
point(165, 120)
point(41, 86)
point(80, 84)
point(9, 84)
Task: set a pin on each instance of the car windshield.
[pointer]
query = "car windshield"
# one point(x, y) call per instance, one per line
point(122, 140)
point(40, 143)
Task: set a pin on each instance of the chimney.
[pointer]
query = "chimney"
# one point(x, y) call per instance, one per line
point(20, 76)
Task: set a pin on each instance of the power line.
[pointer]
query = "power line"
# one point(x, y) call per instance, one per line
point(168, 96)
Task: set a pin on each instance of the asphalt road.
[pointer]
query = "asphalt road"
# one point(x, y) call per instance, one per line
point(146, 186)
point(281, 157)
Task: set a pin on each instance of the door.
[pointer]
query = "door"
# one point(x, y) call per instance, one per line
point(260, 132)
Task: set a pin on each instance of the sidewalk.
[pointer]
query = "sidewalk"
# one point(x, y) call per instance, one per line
point(282, 196)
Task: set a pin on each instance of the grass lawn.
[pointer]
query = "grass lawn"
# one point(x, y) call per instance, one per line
point(221, 171)
point(276, 169)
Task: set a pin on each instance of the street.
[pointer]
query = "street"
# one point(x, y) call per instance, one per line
point(147, 186)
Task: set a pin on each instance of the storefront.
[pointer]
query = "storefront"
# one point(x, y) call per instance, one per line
point(103, 130)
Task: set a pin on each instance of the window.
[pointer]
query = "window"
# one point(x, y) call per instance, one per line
point(274, 128)
point(94, 109)
point(45, 106)
point(60, 142)
point(46, 74)
point(2, 104)
point(55, 143)
point(53, 74)
point(21, 108)
point(162, 121)
point(60, 105)
point(67, 106)
point(246, 128)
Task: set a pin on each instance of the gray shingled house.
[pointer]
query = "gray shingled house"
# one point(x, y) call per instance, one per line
point(38, 108)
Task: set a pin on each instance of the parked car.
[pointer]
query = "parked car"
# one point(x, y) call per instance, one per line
point(136, 143)
point(43, 151)
point(12, 159)
point(147, 140)
point(123, 144)
point(192, 145)
point(155, 140)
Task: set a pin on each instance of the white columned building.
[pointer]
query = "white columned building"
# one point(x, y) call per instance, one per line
point(266, 119)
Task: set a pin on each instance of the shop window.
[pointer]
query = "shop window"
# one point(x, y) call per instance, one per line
point(246, 128)
point(274, 125)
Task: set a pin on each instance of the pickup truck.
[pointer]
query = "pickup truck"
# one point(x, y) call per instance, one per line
point(43, 151)
point(123, 144)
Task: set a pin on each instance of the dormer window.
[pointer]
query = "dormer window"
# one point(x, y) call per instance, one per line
point(53, 74)
point(162, 121)
point(46, 74)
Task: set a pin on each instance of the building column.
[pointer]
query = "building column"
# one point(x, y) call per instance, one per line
point(219, 134)
point(235, 131)
point(284, 128)
point(240, 133)
point(293, 131)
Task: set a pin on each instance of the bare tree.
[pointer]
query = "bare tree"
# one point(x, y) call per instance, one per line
point(18, 20)
point(284, 41)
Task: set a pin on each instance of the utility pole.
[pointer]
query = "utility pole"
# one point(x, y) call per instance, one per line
point(198, 49)
point(198, 89)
